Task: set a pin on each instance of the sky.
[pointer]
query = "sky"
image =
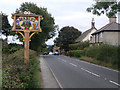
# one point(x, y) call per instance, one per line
point(65, 12)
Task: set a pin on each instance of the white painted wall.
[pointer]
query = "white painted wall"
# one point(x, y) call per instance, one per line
point(89, 35)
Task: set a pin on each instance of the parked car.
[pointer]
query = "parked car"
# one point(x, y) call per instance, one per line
point(50, 53)
point(45, 53)
point(56, 53)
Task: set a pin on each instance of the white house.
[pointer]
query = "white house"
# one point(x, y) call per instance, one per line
point(87, 34)
point(108, 34)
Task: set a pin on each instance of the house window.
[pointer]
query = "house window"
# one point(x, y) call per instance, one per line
point(101, 35)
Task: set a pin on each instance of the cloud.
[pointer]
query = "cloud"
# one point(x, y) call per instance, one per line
point(65, 12)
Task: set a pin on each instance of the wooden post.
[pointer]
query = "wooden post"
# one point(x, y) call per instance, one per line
point(18, 27)
point(26, 47)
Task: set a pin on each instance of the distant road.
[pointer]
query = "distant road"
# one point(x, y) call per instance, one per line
point(73, 73)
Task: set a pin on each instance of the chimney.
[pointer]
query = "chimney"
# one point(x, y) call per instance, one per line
point(112, 19)
point(93, 23)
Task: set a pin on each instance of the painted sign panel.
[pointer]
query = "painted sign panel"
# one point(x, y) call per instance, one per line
point(26, 22)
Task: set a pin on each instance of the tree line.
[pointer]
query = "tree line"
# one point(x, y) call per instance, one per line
point(67, 34)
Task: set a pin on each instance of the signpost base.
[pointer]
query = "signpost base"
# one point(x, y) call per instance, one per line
point(26, 47)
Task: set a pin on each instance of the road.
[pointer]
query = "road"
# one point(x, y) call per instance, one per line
point(74, 73)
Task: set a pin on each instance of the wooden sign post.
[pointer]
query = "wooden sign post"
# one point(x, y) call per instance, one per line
point(26, 22)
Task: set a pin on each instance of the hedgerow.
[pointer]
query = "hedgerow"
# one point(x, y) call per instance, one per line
point(15, 73)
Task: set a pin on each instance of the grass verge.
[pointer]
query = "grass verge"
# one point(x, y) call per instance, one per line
point(36, 78)
point(98, 62)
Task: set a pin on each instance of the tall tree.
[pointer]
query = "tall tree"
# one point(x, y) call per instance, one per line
point(108, 8)
point(5, 26)
point(47, 24)
point(67, 35)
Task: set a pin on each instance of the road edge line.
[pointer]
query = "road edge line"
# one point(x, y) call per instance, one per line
point(94, 64)
point(53, 73)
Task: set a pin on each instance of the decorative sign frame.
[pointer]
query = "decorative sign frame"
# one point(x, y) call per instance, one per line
point(27, 21)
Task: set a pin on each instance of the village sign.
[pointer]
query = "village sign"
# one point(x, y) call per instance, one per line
point(26, 22)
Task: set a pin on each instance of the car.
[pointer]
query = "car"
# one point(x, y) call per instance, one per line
point(56, 53)
point(50, 53)
point(45, 53)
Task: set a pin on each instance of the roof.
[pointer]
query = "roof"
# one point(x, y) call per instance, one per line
point(82, 36)
point(109, 27)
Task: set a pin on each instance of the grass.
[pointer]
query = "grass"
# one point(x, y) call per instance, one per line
point(36, 78)
point(98, 62)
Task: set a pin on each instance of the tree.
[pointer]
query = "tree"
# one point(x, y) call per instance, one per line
point(67, 35)
point(5, 26)
point(47, 24)
point(110, 8)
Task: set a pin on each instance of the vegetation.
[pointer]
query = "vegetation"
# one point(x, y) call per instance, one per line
point(67, 35)
point(48, 49)
point(5, 26)
point(106, 55)
point(15, 73)
point(110, 8)
point(47, 24)
point(79, 46)
point(75, 53)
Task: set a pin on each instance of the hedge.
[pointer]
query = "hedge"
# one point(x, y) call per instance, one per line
point(15, 73)
point(105, 53)
point(75, 53)
point(79, 46)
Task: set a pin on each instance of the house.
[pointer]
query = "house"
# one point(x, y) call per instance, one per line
point(56, 49)
point(87, 34)
point(108, 34)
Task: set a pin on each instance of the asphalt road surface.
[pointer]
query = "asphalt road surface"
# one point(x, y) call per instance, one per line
point(74, 73)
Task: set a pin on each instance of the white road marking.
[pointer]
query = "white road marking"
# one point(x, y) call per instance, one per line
point(91, 72)
point(100, 66)
point(114, 83)
point(73, 64)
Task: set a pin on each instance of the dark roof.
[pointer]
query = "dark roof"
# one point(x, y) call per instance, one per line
point(82, 36)
point(109, 27)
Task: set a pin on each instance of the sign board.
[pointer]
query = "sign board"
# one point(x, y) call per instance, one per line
point(27, 21)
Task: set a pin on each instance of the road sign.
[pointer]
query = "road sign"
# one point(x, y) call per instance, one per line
point(26, 22)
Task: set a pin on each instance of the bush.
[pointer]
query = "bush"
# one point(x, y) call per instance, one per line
point(75, 53)
point(15, 73)
point(79, 46)
point(105, 53)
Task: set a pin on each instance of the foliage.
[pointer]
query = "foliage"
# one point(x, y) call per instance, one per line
point(5, 28)
point(47, 24)
point(10, 48)
point(67, 35)
point(15, 73)
point(75, 53)
point(79, 46)
point(48, 49)
point(110, 8)
point(105, 53)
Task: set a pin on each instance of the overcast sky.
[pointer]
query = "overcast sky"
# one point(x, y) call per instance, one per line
point(65, 12)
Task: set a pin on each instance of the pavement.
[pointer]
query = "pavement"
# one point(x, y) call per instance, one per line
point(48, 78)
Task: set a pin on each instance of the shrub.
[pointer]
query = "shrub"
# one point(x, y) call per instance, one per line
point(75, 53)
point(79, 46)
point(15, 73)
point(105, 53)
